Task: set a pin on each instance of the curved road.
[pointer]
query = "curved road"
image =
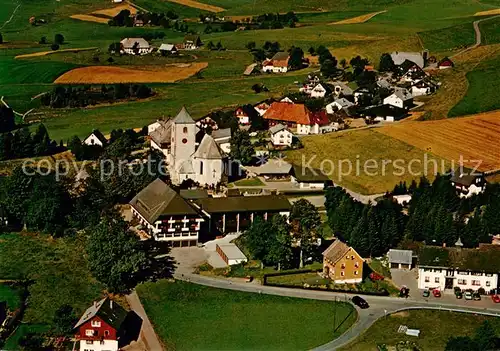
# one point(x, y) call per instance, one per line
point(477, 30)
point(379, 305)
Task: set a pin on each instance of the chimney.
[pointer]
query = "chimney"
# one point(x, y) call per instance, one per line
point(444, 245)
point(95, 304)
point(111, 304)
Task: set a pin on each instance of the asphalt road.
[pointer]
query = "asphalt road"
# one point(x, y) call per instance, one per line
point(379, 305)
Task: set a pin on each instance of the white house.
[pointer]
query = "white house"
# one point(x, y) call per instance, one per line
point(262, 108)
point(95, 138)
point(230, 253)
point(446, 268)
point(280, 135)
point(296, 116)
point(337, 105)
point(168, 49)
point(468, 182)
point(191, 42)
point(287, 99)
point(320, 91)
point(277, 64)
point(422, 87)
point(223, 138)
point(399, 57)
point(135, 46)
point(401, 98)
point(340, 88)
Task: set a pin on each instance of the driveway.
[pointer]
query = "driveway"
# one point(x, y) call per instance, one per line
point(402, 277)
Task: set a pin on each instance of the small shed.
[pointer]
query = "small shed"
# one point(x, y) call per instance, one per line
point(400, 259)
point(230, 253)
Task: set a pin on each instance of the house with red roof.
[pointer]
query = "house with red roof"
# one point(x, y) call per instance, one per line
point(296, 116)
point(277, 64)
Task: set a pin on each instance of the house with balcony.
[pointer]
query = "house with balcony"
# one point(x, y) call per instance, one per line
point(449, 267)
point(166, 215)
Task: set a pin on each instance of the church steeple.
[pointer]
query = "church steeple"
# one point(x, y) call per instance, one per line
point(183, 117)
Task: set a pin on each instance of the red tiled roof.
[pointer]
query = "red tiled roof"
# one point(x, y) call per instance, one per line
point(284, 111)
point(320, 118)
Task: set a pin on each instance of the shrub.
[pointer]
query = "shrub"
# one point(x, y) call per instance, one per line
point(59, 39)
point(54, 46)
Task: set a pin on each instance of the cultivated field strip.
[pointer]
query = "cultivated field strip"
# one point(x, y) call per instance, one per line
point(474, 138)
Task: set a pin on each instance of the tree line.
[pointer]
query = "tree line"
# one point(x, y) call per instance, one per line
point(81, 96)
point(124, 19)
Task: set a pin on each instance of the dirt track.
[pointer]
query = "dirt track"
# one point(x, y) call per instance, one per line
point(359, 19)
point(199, 5)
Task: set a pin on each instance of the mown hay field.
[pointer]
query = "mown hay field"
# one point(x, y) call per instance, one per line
point(359, 19)
point(199, 5)
point(148, 74)
point(112, 12)
point(90, 18)
point(474, 138)
point(44, 53)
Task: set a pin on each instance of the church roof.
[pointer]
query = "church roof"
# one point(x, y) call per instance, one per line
point(183, 117)
point(208, 149)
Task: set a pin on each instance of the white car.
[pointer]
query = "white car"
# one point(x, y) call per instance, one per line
point(468, 295)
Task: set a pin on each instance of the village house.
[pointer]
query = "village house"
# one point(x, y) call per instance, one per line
point(223, 138)
point(273, 169)
point(245, 114)
point(296, 116)
point(168, 50)
point(95, 138)
point(445, 63)
point(309, 178)
point(287, 99)
point(446, 268)
point(362, 94)
point(186, 159)
point(383, 113)
point(320, 91)
point(252, 69)
point(337, 105)
point(401, 98)
point(416, 57)
point(342, 264)
point(422, 87)
point(468, 182)
point(262, 107)
point(166, 216)
point(135, 46)
point(280, 135)
point(191, 42)
point(207, 122)
point(277, 64)
point(341, 89)
point(400, 259)
point(101, 326)
point(411, 72)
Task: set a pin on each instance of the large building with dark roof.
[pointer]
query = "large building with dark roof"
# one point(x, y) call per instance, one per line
point(446, 268)
point(166, 215)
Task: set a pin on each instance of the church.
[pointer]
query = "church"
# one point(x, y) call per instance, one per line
point(188, 157)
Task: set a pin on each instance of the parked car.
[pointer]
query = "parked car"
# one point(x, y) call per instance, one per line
point(360, 302)
point(458, 294)
point(426, 293)
point(436, 293)
point(476, 297)
point(495, 298)
point(468, 295)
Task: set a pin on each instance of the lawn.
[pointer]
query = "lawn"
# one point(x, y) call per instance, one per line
point(193, 317)
point(368, 149)
point(30, 72)
point(11, 295)
point(484, 82)
point(12, 343)
point(249, 182)
point(59, 271)
point(436, 328)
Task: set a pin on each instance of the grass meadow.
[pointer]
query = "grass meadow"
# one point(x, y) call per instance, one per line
point(449, 38)
point(490, 31)
point(436, 327)
point(194, 317)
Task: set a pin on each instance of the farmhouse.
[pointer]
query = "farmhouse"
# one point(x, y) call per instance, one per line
point(207, 122)
point(245, 114)
point(361, 94)
point(467, 181)
point(410, 71)
point(135, 46)
point(262, 107)
point(320, 91)
point(101, 326)
point(272, 169)
point(277, 64)
point(168, 49)
point(166, 215)
point(230, 253)
point(447, 268)
point(191, 42)
point(337, 105)
point(95, 138)
point(296, 116)
point(342, 264)
point(280, 135)
point(422, 87)
point(186, 159)
point(251, 69)
point(401, 98)
point(416, 57)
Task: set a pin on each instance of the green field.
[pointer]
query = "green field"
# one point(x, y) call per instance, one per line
point(363, 147)
point(436, 327)
point(450, 38)
point(12, 343)
point(58, 269)
point(193, 317)
point(490, 31)
point(10, 295)
point(484, 82)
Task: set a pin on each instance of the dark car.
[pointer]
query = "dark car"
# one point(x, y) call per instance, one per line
point(476, 297)
point(360, 302)
point(458, 294)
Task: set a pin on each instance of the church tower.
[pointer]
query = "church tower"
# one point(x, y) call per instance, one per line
point(183, 138)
